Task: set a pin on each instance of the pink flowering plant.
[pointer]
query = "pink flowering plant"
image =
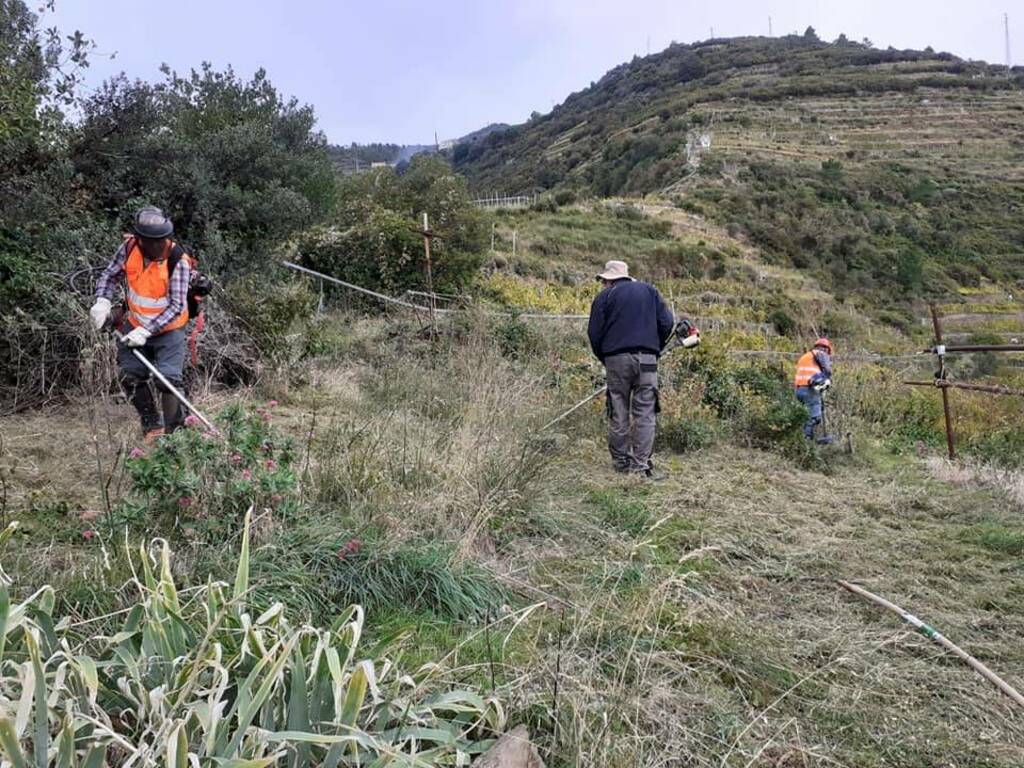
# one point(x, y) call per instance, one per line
point(199, 481)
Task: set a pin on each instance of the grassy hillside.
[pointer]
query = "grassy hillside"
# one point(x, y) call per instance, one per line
point(626, 624)
point(897, 172)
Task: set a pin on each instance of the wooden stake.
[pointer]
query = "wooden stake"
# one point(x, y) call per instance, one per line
point(940, 375)
point(430, 274)
point(932, 634)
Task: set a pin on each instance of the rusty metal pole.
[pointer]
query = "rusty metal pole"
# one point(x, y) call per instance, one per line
point(941, 375)
point(993, 389)
point(430, 274)
point(982, 348)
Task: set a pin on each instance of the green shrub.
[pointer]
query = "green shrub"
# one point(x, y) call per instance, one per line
point(756, 402)
point(684, 435)
point(565, 197)
point(782, 322)
point(268, 310)
point(775, 419)
point(517, 338)
point(202, 485)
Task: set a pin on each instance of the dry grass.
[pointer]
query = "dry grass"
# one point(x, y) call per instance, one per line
point(968, 474)
point(755, 657)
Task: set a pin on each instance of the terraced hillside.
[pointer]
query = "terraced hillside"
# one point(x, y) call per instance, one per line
point(895, 172)
point(966, 133)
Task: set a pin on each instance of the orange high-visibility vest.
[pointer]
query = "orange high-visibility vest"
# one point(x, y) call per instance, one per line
point(806, 369)
point(148, 288)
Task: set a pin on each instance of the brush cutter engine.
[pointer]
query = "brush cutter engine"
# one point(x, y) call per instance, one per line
point(685, 334)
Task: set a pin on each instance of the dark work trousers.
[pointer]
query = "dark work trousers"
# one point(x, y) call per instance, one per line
point(167, 353)
point(632, 402)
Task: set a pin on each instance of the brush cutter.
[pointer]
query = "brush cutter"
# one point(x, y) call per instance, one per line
point(826, 438)
point(684, 334)
point(170, 387)
point(163, 380)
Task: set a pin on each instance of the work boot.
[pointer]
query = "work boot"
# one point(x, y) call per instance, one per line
point(649, 473)
point(141, 396)
point(173, 417)
point(153, 435)
point(655, 475)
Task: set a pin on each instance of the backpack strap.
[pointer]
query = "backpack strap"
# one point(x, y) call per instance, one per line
point(127, 242)
point(176, 254)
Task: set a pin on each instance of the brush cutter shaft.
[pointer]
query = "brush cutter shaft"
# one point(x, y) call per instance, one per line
point(933, 634)
point(576, 407)
point(170, 387)
point(683, 335)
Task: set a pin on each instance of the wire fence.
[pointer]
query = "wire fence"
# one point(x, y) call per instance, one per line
point(709, 323)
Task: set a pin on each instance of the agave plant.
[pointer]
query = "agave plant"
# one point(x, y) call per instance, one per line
point(193, 679)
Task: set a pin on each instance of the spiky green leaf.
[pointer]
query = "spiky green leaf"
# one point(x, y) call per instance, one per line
point(9, 742)
point(242, 574)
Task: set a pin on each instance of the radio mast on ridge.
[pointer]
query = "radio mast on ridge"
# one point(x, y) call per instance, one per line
point(1006, 28)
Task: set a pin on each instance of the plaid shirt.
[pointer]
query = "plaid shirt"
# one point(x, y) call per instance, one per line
point(177, 293)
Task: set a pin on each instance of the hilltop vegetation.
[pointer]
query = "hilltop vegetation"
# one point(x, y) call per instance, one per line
point(356, 158)
point(891, 171)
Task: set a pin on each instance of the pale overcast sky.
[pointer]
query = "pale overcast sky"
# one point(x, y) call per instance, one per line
point(392, 70)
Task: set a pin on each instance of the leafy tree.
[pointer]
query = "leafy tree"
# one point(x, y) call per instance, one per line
point(374, 239)
point(237, 166)
point(23, 72)
point(39, 72)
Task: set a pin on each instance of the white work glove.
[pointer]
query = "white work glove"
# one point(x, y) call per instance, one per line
point(100, 312)
point(137, 337)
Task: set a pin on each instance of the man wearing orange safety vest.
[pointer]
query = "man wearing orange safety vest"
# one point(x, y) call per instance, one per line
point(156, 272)
point(814, 376)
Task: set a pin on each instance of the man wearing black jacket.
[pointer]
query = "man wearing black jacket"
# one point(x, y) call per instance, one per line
point(629, 325)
